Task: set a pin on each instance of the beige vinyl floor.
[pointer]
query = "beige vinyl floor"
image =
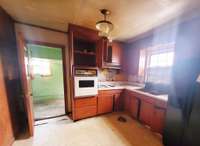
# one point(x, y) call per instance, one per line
point(103, 130)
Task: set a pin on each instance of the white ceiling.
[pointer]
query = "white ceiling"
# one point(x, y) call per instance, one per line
point(130, 17)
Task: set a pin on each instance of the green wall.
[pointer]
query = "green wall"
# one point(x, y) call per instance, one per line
point(48, 87)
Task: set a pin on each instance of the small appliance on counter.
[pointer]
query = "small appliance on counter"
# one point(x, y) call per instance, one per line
point(85, 82)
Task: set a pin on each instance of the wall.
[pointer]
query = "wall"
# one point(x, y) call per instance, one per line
point(183, 32)
point(161, 36)
point(50, 87)
point(6, 133)
point(48, 36)
point(9, 87)
point(111, 75)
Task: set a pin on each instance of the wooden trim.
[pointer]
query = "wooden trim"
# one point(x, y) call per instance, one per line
point(42, 27)
point(64, 61)
point(25, 89)
point(45, 44)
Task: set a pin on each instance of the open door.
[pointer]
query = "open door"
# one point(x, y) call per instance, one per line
point(27, 94)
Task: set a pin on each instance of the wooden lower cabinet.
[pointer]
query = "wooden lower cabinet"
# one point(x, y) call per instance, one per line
point(84, 107)
point(153, 116)
point(146, 113)
point(134, 107)
point(158, 119)
point(118, 102)
point(105, 103)
point(131, 104)
point(110, 100)
point(85, 112)
point(127, 102)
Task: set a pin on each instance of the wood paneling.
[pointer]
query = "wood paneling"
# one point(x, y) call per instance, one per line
point(10, 67)
point(6, 133)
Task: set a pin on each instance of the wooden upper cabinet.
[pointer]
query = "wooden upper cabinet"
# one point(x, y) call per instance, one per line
point(116, 54)
point(110, 54)
point(83, 45)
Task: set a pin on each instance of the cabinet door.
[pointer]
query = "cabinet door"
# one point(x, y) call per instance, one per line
point(126, 102)
point(146, 113)
point(158, 119)
point(105, 103)
point(85, 112)
point(118, 105)
point(133, 107)
point(116, 54)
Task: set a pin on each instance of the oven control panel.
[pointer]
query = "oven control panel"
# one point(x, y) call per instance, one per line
point(85, 72)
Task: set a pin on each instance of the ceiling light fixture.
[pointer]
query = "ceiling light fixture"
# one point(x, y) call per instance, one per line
point(104, 26)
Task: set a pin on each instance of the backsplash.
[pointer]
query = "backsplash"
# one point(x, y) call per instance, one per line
point(111, 75)
point(135, 78)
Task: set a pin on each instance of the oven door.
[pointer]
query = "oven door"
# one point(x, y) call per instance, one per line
point(85, 86)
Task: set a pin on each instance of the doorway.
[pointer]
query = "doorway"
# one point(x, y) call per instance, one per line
point(46, 71)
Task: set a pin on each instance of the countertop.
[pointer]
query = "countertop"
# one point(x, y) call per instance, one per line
point(163, 97)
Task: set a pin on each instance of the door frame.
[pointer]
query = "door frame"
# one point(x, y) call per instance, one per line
point(64, 62)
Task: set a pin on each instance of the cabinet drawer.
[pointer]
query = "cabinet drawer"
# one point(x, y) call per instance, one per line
point(109, 92)
point(83, 102)
point(85, 112)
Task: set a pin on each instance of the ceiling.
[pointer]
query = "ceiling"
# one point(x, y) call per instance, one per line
point(130, 17)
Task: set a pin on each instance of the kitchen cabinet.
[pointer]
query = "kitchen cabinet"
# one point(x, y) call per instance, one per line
point(131, 104)
point(84, 107)
point(116, 57)
point(146, 113)
point(105, 103)
point(134, 107)
point(118, 102)
point(110, 54)
point(109, 100)
point(153, 115)
point(158, 119)
point(127, 101)
point(83, 45)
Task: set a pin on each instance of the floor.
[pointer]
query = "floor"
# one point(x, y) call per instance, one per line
point(48, 108)
point(103, 130)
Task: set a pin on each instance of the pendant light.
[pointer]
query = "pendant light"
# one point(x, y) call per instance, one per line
point(104, 26)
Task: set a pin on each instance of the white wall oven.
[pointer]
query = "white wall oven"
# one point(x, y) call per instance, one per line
point(85, 82)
